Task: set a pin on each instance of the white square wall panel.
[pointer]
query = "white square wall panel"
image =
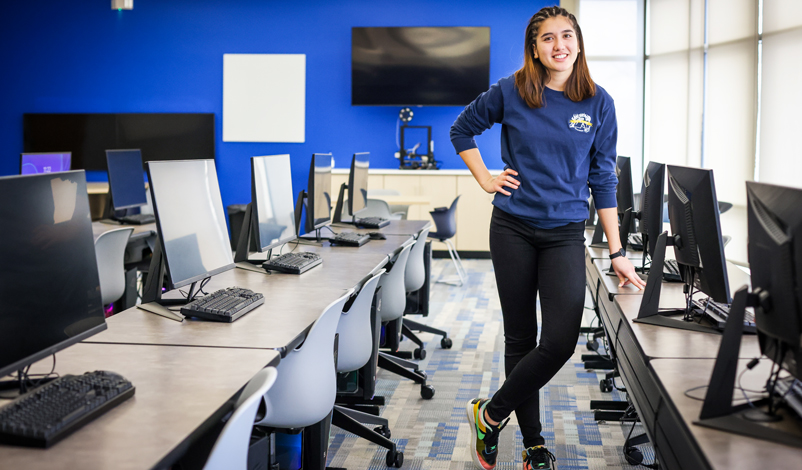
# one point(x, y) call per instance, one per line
point(264, 97)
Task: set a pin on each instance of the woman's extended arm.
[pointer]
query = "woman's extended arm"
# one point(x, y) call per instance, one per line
point(622, 266)
point(473, 159)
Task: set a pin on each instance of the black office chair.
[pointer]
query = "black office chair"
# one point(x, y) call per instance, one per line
point(445, 219)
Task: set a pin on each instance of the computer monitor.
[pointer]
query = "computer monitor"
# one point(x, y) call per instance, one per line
point(651, 205)
point(51, 162)
point(694, 216)
point(775, 258)
point(191, 223)
point(126, 178)
point(318, 194)
point(624, 197)
point(623, 190)
point(358, 183)
point(49, 287)
point(272, 199)
point(269, 219)
point(624, 201)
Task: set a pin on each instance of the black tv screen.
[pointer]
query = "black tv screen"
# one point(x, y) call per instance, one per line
point(160, 136)
point(443, 66)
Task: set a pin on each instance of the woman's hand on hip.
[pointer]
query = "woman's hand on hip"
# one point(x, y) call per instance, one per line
point(498, 183)
point(626, 273)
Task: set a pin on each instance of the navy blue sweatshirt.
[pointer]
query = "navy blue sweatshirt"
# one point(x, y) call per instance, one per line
point(561, 151)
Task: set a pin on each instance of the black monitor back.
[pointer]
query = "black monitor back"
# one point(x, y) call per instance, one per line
point(49, 286)
point(775, 258)
point(651, 205)
point(318, 209)
point(358, 183)
point(623, 190)
point(126, 178)
point(694, 216)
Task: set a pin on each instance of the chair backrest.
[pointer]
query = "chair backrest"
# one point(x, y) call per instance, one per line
point(306, 387)
point(394, 293)
point(110, 253)
point(445, 221)
point(383, 192)
point(355, 330)
point(230, 451)
point(415, 274)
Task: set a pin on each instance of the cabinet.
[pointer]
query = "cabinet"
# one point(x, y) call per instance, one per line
point(440, 187)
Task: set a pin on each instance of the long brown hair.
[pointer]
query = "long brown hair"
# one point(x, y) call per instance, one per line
point(533, 76)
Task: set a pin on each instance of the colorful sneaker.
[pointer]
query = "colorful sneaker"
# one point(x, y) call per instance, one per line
point(539, 458)
point(484, 436)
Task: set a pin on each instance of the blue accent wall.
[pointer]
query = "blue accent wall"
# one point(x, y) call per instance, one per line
point(167, 56)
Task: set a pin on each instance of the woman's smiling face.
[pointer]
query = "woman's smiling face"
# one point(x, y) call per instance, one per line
point(556, 45)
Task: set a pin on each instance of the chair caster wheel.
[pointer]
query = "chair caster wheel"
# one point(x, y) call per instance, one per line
point(606, 385)
point(419, 353)
point(633, 455)
point(446, 343)
point(427, 391)
point(384, 431)
point(422, 373)
point(395, 459)
point(592, 345)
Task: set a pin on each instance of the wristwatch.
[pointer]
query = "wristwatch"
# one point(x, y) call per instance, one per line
point(621, 252)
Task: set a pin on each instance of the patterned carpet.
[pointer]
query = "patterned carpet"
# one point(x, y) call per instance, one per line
point(434, 434)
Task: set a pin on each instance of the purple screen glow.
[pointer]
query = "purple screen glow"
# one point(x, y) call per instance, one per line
point(33, 163)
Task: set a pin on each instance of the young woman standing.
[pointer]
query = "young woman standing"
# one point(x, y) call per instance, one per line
point(558, 142)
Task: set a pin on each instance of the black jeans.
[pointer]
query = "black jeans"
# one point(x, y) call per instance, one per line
point(527, 260)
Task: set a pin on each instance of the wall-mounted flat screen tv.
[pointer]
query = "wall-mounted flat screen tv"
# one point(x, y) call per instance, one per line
point(405, 66)
point(160, 136)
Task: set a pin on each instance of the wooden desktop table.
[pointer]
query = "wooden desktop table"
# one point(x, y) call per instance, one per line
point(292, 302)
point(180, 393)
point(711, 448)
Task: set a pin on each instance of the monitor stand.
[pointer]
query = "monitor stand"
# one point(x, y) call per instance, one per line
point(718, 411)
point(247, 233)
point(338, 209)
point(152, 291)
point(300, 205)
point(650, 312)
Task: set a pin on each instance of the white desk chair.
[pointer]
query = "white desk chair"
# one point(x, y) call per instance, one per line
point(402, 209)
point(394, 302)
point(306, 387)
point(230, 451)
point(414, 278)
point(394, 294)
point(356, 343)
point(374, 208)
point(110, 252)
point(415, 273)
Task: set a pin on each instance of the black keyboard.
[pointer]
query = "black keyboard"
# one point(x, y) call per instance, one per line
point(293, 263)
point(636, 241)
point(55, 410)
point(349, 239)
point(671, 271)
point(136, 219)
point(224, 305)
point(372, 222)
point(717, 314)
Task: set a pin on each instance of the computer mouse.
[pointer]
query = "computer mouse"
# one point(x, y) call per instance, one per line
point(377, 236)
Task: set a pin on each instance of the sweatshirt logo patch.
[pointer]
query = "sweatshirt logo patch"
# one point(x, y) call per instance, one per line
point(580, 122)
